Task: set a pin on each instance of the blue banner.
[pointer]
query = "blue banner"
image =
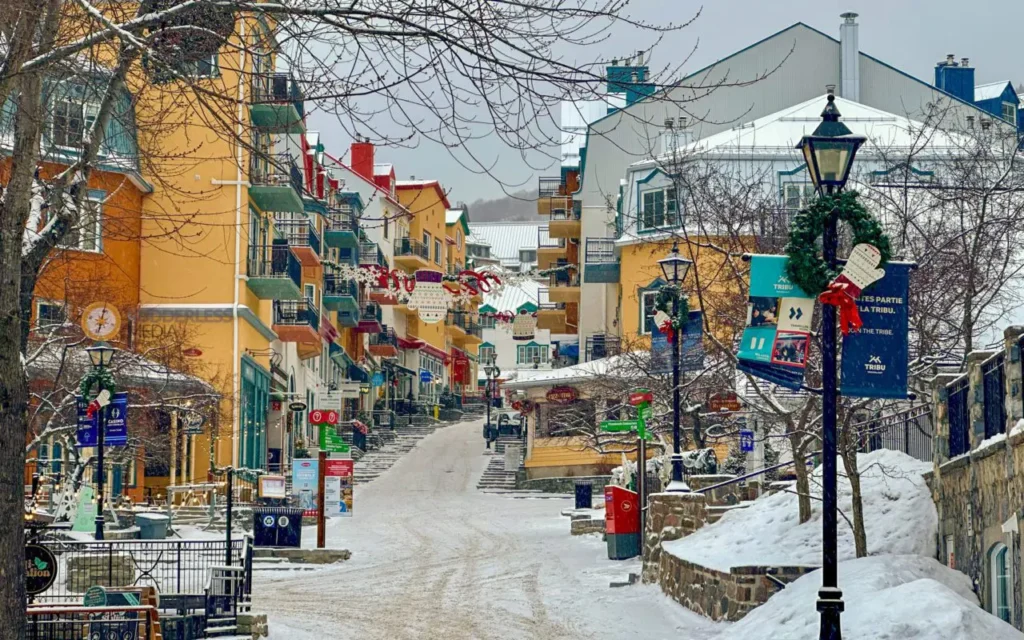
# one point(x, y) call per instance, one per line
point(777, 339)
point(116, 433)
point(691, 356)
point(875, 358)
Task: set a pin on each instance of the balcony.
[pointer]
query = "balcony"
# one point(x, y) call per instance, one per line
point(602, 346)
point(464, 328)
point(384, 344)
point(337, 355)
point(277, 104)
point(601, 265)
point(369, 318)
point(552, 195)
point(341, 230)
point(565, 223)
point(564, 286)
point(551, 316)
point(275, 183)
point(412, 254)
point(302, 238)
point(370, 254)
point(549, 250)
point(342, 295)
point(274, 273)
point(298, 321)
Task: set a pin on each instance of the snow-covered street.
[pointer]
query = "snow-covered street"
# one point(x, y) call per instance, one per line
point(432, 557)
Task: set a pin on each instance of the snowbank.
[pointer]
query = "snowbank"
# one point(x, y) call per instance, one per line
point(898, 513)
point(887, 597)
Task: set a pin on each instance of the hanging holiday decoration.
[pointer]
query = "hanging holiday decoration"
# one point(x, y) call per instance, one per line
point(429, 297)
point(506, 317)
point(806, 268)
point(525, 325)
point(859, 272)
point(667, 322)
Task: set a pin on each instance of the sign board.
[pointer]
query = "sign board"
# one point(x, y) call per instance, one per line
point(304, 482)
point(746, 441)
point(338, 482)
point(85, 514)
point(192, 352)
point(116, 433)
point(331, 401)
point(618, 425)
point(378, 379)
point(640, 396)
point(272, 486)
point(194, 423)
point(95, 596)
point(724, 401)
point(646, 412)
point(562, 395)
point(347, 390)
point(874, 363)
point(330, 441)
point(40, 569)
point(426, 376)
point(297, 406)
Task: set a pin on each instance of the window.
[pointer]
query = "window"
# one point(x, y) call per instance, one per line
point(485, 353)
point(87, 236)
point(49, 313)
point(527, 255)
point(309, 291)
point(73, 115)
point(796, 195)
point(647, 310)
point(1010, 112)
point(437, 251)
point(660, 209)
point(458, 239)
point(387, 225)
point(528, 354)
point(426, 241)
point(207, 67)
point(1002, 582)
point(487, 322)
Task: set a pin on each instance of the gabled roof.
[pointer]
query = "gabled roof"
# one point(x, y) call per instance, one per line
point(425, 184)
point(457, 216)
point(383, 192)
point(992, 90)
point(511, 297)
point(385, 169)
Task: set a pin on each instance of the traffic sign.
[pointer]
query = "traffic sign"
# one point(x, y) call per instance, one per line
point(746, 441)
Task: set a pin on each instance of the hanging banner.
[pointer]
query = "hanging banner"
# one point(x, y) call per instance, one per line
point(874, 363)
point(691, 356)
point(116, 433)
point(777, 340)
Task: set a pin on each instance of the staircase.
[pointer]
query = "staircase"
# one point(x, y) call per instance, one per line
point(495, 478)
point(376, 461)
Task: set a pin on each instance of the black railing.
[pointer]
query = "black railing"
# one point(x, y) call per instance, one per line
point(340, 219)
point(370, 311)
point(79, 623)
point(959, 417)
point(385, 337)
point(270, 88)
point(275, 170)
point(174, 567)
point(299, 233)
point(545, 241)
point(567, 214)
point(601, 346)
point(337, 286)
point(993, 383)
point(465, 321)
point(410, 247)
point(370, 254)
point(273, 261)
point(550, 187)
point(908, 431)
point(296, 313)
point(567, 277)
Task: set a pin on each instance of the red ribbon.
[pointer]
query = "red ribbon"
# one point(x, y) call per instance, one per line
point(91, 410)
point(840, 295)
point(667, 328)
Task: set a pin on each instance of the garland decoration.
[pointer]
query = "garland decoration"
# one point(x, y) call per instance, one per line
point(103, 377)
point(806, 268)
point(667, 322)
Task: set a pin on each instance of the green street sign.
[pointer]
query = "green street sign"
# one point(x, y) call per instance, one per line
point(618, 425)
point(330, 441)
point(646, 413)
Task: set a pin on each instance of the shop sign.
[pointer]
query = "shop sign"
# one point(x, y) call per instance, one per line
point(562, 395)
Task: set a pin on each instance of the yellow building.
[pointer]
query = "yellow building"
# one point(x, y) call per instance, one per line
point(463, 327)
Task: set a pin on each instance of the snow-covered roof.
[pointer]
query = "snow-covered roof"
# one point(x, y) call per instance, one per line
point(130, 369)
point(576, 373)
point(990, 90)
point(415, 183)
point(452, 216)
point(383, 169)
point(506, 239)
point(511, 297)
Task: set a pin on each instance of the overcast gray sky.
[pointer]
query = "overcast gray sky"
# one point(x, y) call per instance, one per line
point(911, 35)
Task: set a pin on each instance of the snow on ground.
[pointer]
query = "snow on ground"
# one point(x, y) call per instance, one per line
point(433, 558)
point(899, 518)
point(906, 597)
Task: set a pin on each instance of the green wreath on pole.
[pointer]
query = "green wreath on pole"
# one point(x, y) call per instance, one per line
point(806, 268)
point(103, 377)
point(663, 303)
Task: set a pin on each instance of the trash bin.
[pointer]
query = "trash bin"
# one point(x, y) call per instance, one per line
point(277, 527)
point(622, 522)
point(584, 494)
point(152, 526)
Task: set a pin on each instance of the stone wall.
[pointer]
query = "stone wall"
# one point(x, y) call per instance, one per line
point(670, 516)
point(565, 485)
point(116, 570)
point(718, 595)
point(583, 526)
point(720, 497)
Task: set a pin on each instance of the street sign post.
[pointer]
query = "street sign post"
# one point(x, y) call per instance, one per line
point(330, 441)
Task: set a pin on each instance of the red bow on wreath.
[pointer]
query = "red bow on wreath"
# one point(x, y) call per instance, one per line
point(843, 294)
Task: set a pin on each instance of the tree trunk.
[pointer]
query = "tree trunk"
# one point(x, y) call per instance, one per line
point(860, 536)
point(803, 484)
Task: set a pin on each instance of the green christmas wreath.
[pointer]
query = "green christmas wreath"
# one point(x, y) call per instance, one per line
point(806, 268)
point(103, 377)
point(663, 303)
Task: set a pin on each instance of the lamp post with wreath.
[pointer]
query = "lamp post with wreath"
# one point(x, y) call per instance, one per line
point(672, 303)
point(100, 356)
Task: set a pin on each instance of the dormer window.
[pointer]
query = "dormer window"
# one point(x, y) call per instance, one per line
point(1010, 112)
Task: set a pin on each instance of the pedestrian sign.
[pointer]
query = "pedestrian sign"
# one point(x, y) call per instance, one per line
point(746, 441)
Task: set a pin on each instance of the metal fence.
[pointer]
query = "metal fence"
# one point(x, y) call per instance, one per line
point(79, 623)
point(909, 431)
point(993, 383)
point(959, 418)
point(173, 567)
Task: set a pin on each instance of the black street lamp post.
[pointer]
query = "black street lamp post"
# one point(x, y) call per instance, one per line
point(829, 153)
point(492, 372)
point(100, 355)
point(675, 267)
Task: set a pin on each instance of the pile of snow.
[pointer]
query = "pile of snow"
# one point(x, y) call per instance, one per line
point(886, 597)
point(899, 518)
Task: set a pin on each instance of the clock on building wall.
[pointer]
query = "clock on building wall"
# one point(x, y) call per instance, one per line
point(101, 321)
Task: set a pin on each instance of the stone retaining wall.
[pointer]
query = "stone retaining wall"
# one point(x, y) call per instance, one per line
point(565, 485)
point(583, 526)
point(83, 572)
point(670, 516)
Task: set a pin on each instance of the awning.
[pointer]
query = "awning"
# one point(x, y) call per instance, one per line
point(431, 350)
point(412, 345)
point(399, 368)
point(358, 374)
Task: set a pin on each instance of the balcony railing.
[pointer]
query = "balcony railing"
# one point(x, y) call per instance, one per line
point(465, 321)
point(600, 251)
point(275, 170)
point(270, 88)
point(601, 346)
point(370, 311)
point(564, 278)
point(387, 337)
point(571, 214)
point(410, 247)
point(551, 186)
point(340, 219)
point(299, 233)
point(544, 241)
point(337, 286)
point(370, 253)
point(273, 261)
point(297, 313)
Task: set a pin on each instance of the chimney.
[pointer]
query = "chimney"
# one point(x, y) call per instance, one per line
point(964, 62)
point(669, 139)
point(955, 79)
point(849, 57)
point(362, 158)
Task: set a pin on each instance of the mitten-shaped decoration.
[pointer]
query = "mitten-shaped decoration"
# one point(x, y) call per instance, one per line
point(860, 271)
point(429, 298)
point(524, 326)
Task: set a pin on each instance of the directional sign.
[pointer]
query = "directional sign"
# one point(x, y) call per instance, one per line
point(645, 412)
point(330, 441)
point(316, 416)
point(640, 396)
point(618, 425)
point(746, 441)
